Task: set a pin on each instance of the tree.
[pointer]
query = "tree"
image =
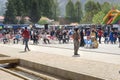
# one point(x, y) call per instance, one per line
point(47, 8)
point(98, 18)
point(35, 13)
point(20, 11)
point(78, 11)
point(106, 7)
point(10, 14)
point(98, 6)
point(27, 6)
point(70, 11)
point(87, 18)
point(33, 8)
point(91, 8)
point(19, 7)
point(55, 10)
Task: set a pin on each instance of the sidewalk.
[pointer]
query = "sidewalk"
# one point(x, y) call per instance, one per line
point(84, 54)
point(87, 63)
point(102, 48)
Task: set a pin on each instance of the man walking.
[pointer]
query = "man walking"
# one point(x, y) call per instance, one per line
point(26, 36)
point(76, 38)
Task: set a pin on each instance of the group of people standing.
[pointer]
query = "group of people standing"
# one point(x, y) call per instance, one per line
point(7, 36)
point(93, 38)
point(79, 41)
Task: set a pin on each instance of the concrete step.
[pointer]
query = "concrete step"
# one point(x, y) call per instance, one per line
point(42, 75)
point(8, 60)
point(8, 74)
point(60, 72)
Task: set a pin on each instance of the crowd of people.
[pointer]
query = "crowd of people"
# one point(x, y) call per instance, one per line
point(63, 36)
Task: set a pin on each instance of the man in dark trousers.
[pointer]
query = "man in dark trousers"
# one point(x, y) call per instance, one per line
point(26, 36)
point(76, 38)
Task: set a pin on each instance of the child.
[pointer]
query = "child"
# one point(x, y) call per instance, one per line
point(88, 42)
point(106, 39)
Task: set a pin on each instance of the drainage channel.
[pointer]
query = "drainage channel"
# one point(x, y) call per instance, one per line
point(12, 66)
point(26, 74)
point(28, 70)
point(17, 72)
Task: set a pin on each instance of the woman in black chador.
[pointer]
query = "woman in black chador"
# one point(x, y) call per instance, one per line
point(82, 38)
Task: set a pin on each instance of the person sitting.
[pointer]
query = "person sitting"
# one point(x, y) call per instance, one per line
point(88, 42)
point(45, 38)
point(5, 40)
point(93, 35)
point(94, 44)
point(17, 38)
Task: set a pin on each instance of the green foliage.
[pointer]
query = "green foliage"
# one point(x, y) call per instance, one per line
point(10, 16)
point(32, 8)
point(98, 18)
point(19, 7)
point(70, 11)
point(91, 9)
point(98, 6)
point(47, 6)
point(106, 7)
point(91, 6)
point(95, 12)
point(78, 11)
point(27, 6)
point(87, 18)
point(55, 10)
point(42, 22)
point(34, 12)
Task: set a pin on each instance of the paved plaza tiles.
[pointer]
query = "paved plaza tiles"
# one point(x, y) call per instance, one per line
point(99, 63)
